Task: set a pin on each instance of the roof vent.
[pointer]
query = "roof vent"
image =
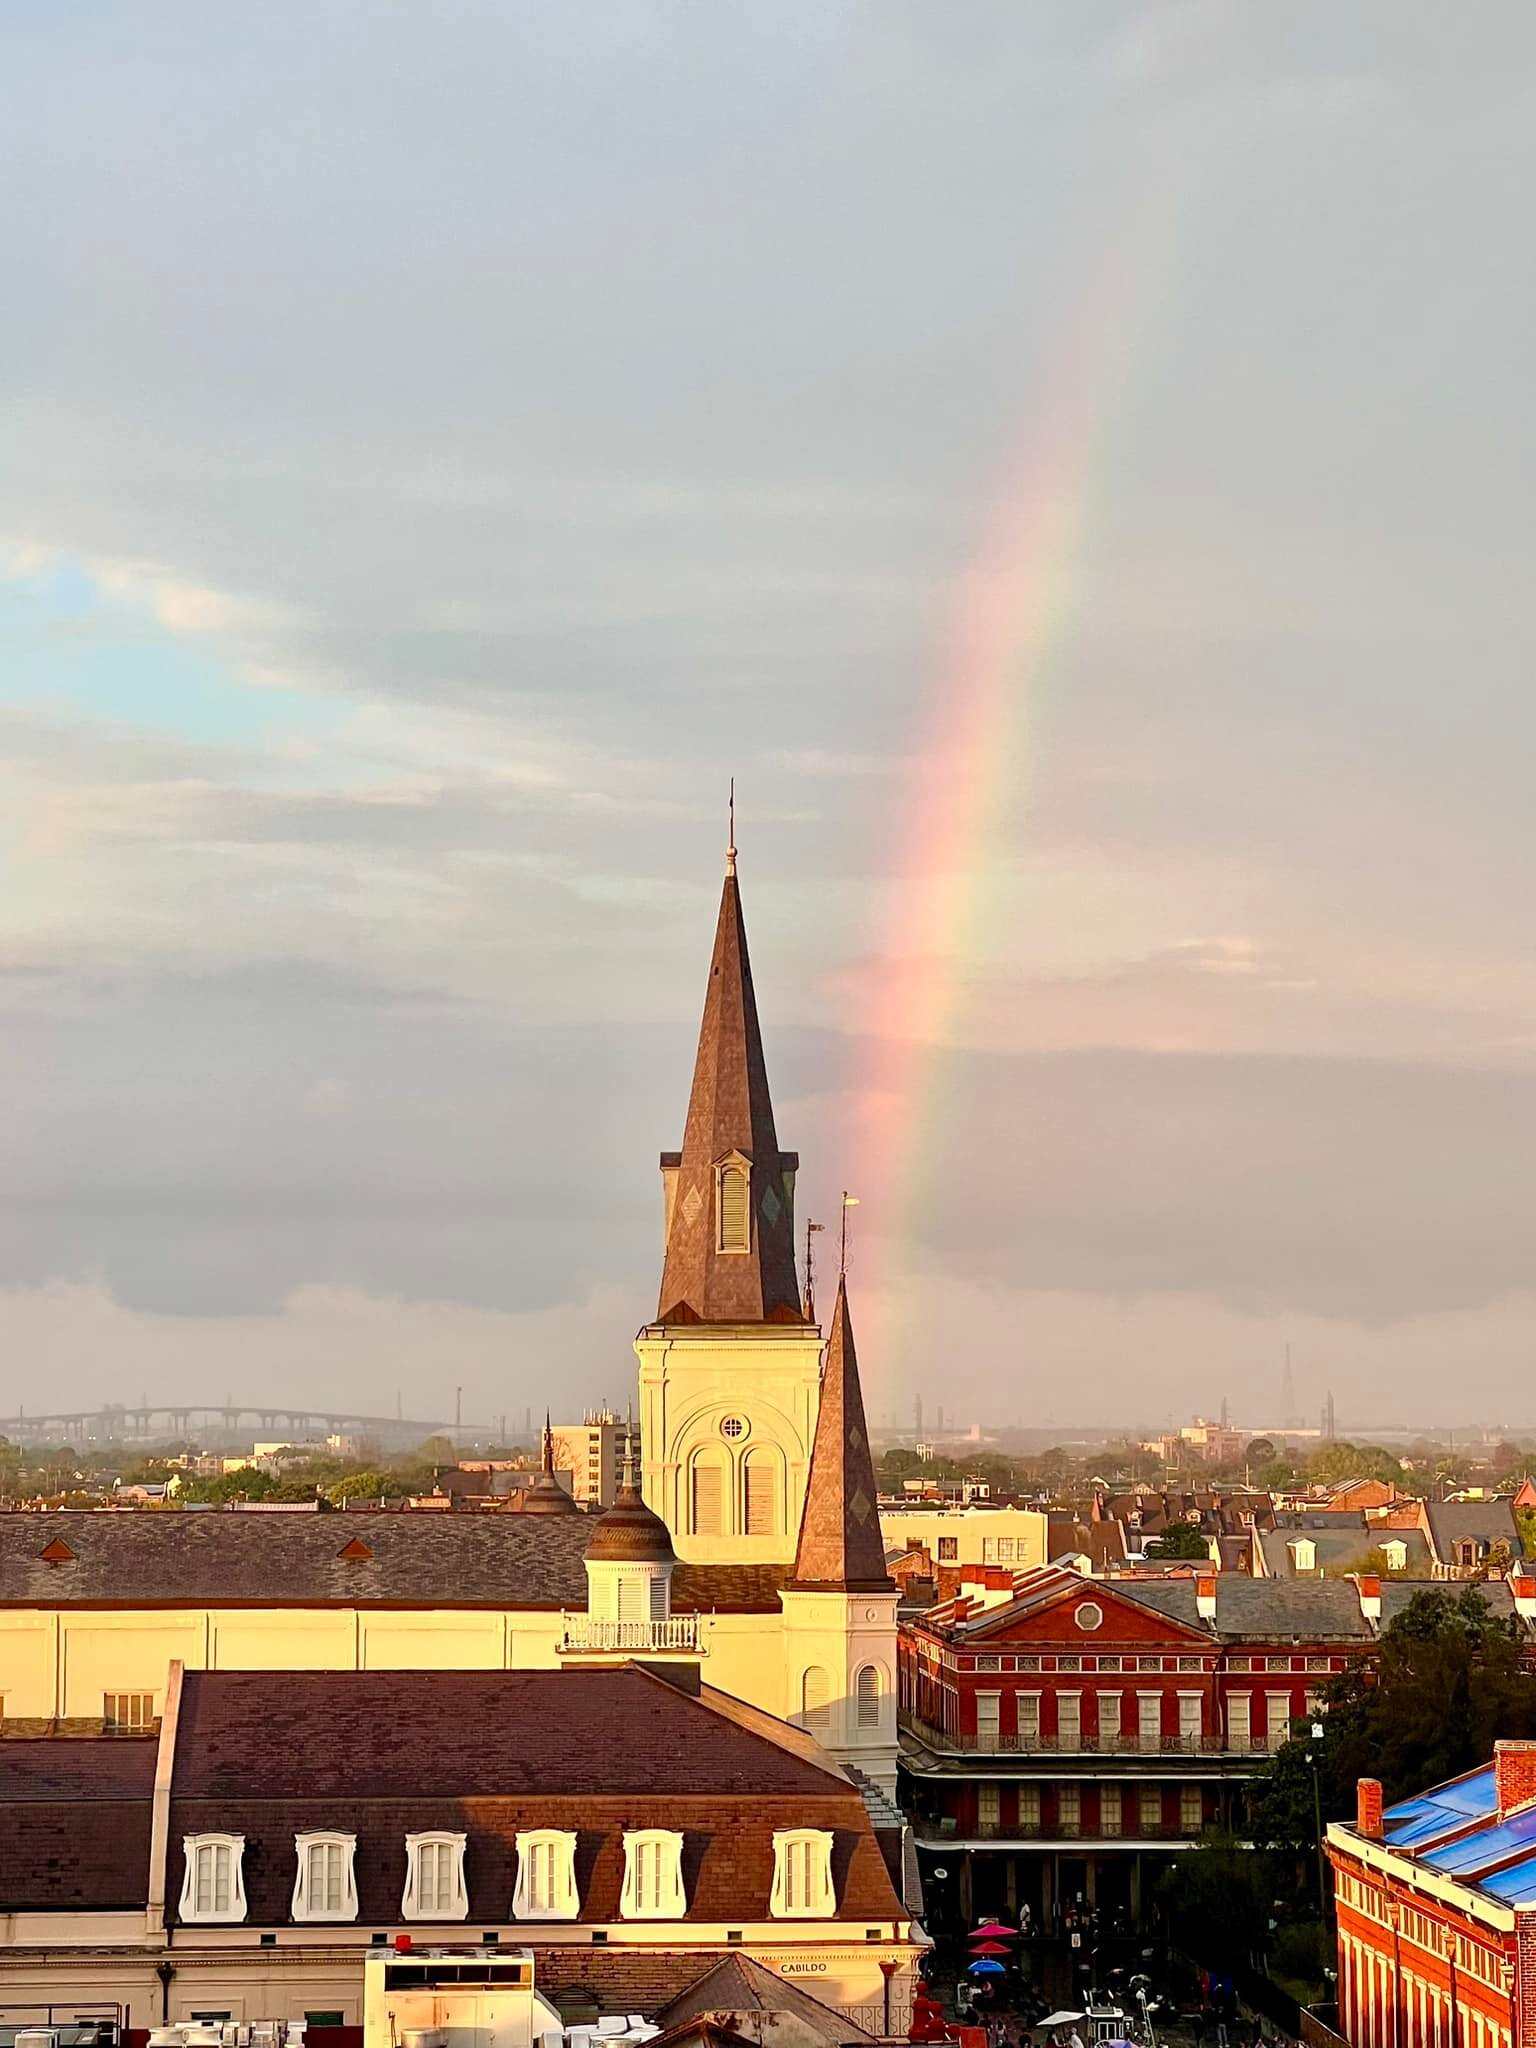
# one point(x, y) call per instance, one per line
point(57, 1552)
point(354, 1551)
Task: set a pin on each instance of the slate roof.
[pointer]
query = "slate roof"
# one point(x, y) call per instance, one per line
point(730, 1110)
point(740, 1984)
point(840, 1541)
point(384, 1754)
point(1396, 1594)
point(228, 1559)
point(1453, 1520)
point(1262, 1610)
point(75, 1822)
point(1338, 1548)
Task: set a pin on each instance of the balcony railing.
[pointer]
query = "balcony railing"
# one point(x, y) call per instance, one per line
point(1081, 1745)
point(1033, 1830)
point(639, 1638)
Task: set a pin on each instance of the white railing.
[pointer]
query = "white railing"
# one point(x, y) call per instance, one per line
point(675, 1632)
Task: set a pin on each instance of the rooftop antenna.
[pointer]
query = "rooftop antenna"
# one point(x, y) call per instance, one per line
point(849, 1202)
point(730, 850)
point(810, 1272)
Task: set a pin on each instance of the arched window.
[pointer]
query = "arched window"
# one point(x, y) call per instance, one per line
point(815, 1699)
point(706, 1484)
point(653, 1875)
point(546, 1876)
point(867, 1694)
point(802, 1875)
point(762, 1490)
point(213, 1886)
point(324, 1887)
point(434, 1878)
point(733, 1208)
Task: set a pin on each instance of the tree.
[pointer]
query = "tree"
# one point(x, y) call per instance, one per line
point(1180, 1539)
point(1261, 1451)
point(1216, 1898)
point(358, 1486)
point(1355, 1461)
point(899, 1464)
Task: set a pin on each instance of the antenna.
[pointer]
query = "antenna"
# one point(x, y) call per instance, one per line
point(810, 1271)
point(730, 849)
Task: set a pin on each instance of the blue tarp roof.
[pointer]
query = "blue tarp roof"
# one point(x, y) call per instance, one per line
point(1492, 1844)
point(1515, 1886)
point(1433, 1814)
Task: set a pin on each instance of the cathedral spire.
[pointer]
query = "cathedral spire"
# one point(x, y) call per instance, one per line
point(841, 1548)
point(730, 1254)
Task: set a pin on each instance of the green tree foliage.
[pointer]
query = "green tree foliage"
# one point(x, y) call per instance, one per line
point(1355, 1461)
point(1216, 1902)
point(1448, 1683)
point(1180, 1539)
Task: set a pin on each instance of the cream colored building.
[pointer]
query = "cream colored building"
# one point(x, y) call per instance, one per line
point(756, 1460)
point(970, 1535)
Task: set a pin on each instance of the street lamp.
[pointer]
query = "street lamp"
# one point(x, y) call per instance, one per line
point(1314, 1758)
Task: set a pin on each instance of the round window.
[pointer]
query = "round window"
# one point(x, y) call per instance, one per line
point(1088, 1614)
point(734, 1426)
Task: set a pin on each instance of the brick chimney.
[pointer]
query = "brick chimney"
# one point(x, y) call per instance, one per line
point(1368, 1807)
point(1370, 1598)
point(1205, 1596)
point(1514, 1775)
point(1522, 1589)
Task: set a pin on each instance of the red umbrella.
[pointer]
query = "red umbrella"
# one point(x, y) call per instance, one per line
point(988, 1948)
point(994, 1931)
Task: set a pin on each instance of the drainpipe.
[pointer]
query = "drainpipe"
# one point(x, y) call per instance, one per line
point(165, 1971)
point(888, 1969)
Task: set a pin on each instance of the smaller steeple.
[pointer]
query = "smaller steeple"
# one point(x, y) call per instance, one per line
point(544, 1495)
point(841, 1549)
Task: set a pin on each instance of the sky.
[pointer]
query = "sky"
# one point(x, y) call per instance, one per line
point(1070, 463)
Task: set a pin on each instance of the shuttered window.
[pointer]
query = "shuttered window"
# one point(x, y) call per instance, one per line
point(802, 1874)
point(762, 1496)
point(867, 1690)
point(706, 1499)
point(815, 1697)
point(734, 1188)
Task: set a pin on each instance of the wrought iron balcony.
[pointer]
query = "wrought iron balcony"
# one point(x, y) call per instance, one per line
point(677, 1633)
point(1134, 1744)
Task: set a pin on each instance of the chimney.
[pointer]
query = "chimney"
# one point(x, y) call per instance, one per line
point(1514, 1775)
point(1205, 1596)
point(1370, 1598)
point(1368, 1807)
point(1523, 1590)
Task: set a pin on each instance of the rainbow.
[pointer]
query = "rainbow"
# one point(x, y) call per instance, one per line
point(975, 747)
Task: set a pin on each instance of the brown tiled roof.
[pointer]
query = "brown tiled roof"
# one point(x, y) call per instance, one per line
point(729, 1110)
point(176, 1559)
point(840, 1541)
point(75, 1823)
point(384, 1754)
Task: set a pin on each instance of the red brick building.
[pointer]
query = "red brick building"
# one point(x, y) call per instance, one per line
point(1063, 1737)
point(1436, 1906)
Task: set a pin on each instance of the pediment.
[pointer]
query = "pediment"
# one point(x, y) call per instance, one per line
point(1042, 1618)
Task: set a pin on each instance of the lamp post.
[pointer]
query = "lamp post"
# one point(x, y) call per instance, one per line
point(1315, 1758)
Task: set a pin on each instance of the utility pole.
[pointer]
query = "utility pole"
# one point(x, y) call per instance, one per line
point(458, 1418)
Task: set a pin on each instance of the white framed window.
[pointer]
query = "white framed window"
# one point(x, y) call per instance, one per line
point(127, 1710)
point(1029, 1809)
point(989, 1710)
point(1151, 1805)
point(546, 1876)
point(653, 1875)
point(1069, 1720)
point(1239, 1721)
point(324, 1882)
point(434, 1878)
point(1069, 1809)
point(1191, 1809)
point(802, 1875)
point(1109, 1718)
point(1109, 1810)
point(213, 1883)
point(815, 1699)
point(866, 1690)
point(989, 1808)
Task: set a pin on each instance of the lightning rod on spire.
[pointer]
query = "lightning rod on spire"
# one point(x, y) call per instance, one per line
point(730, 849)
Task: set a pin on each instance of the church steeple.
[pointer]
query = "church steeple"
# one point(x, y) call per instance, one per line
point(841, 1549)
point(730, 1254)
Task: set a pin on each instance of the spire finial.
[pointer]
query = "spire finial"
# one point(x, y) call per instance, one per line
point(730, 849)
point(549, 1444)
point(849, 1202)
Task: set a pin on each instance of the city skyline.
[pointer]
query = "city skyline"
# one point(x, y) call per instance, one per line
point(1103, 574)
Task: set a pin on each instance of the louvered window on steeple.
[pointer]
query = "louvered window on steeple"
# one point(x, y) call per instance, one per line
point(762, 1495)
point(867, 1693)
point(707, 1497)
point(733, 1190)
point(815, 1698)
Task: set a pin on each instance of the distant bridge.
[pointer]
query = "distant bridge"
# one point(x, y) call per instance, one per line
point(182, 1419)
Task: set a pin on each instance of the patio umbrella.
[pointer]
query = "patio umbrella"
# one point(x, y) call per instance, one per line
point(994, 1931)
point(988, 1948)
point(986, 1968)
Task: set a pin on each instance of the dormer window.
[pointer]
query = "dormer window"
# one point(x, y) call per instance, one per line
point(802, 1874)
point(1396, 1554)
point(434, 1878)
point(324, 1885)
point(546, 1876)
point(733, 1204)
point(1303, 1555)
point(213, 1884)
point(653, 1876)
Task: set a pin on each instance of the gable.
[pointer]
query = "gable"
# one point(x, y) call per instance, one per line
point(1048, 1619)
